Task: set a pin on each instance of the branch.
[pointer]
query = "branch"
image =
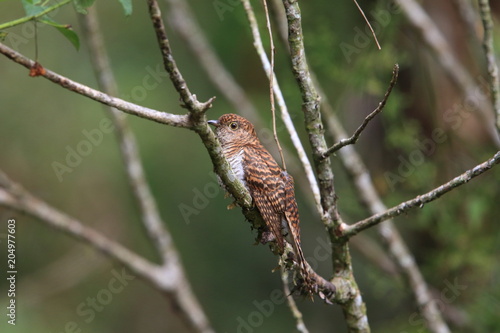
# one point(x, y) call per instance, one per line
point(311, 110)
point(371, 200)
point(189, 100)
point(368, 23)
point(355, 137)
point(485, 11)
point(14, 196)
point(421, 200)
point(354, 308)
point(166, 278)
point(130, 108)
point(301, 327)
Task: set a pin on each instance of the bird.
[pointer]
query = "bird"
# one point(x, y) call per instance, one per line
point(271, 188)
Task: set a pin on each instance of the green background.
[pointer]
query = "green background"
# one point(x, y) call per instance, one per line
point(454, 240)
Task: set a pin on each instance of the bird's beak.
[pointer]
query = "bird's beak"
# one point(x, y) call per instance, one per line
point(213, 122)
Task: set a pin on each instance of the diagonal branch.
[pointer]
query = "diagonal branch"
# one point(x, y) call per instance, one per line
point(355, 137)
point(421, 200)
point(189, 100)
point(165, 278)
point(354, 308)
point(127, 107)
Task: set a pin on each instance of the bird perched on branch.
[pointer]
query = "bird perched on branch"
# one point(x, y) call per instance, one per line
point(271, 188)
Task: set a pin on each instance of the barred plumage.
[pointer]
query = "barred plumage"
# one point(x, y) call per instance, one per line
point(271, 188)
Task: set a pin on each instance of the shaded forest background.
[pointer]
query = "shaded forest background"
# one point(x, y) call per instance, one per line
point(455, 239)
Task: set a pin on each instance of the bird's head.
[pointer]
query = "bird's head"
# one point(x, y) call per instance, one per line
point(232, 129)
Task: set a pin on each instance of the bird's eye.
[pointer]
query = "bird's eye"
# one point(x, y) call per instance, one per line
point(233, 125)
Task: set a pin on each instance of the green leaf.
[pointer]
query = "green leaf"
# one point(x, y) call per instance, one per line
point(127, 6)
point(82, 5)
point(3, 34)
point(66, 31)
point(32, 8)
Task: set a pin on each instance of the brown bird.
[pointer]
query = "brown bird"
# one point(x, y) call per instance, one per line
point(271, 188)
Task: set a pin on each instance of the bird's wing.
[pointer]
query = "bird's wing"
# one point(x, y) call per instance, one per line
point(268, 190)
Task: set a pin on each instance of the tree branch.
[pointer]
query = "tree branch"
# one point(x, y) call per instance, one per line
point(485, 11)
point(165, 278)
point(354, 308)
point(421, 200)
point(170, 65)
point(130, 108)
point(355, 137)
point(299, 321)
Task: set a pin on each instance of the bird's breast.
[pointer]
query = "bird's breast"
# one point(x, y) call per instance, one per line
point(235, 159)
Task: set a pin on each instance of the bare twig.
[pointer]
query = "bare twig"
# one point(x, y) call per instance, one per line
point(441, 49)
point(190, 101)
point(299, 321)
point(485, 11)
point(354, 138)
point(368, 23)
point(285, 116)
point(422, 199)
point(130, 108)
point(271, 83)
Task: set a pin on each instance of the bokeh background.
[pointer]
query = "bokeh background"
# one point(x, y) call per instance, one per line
point(455, 240)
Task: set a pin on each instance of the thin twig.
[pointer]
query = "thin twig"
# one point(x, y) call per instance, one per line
point(354, 309)
point(368, 23)
point(422, 199)
point(355, 137)
point(271, 83)
point(127, 107)
point(285, 116)
point(12, 195)
point(190, 101)
point(299, 321)
point(485, 11)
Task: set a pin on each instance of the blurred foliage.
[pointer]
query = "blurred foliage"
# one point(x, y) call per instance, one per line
point(453, 239)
